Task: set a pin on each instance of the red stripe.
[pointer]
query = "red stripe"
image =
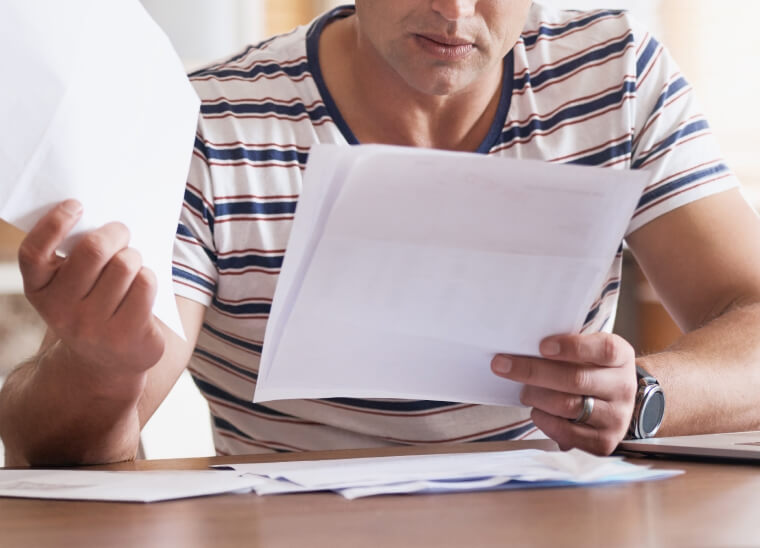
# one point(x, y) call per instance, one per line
point(248, 300)
point(251, 250)
point(274, 272)
point(659, 155)
point(195, 287)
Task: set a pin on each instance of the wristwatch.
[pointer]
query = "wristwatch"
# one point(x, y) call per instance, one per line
point(649, 408)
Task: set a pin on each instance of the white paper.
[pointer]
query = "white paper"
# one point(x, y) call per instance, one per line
point(361, 477)
point(408, 269)
point(150, 486)
point(95, 106)
point(352, 478)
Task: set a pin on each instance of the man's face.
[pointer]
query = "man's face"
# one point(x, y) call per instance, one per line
point(441, 47)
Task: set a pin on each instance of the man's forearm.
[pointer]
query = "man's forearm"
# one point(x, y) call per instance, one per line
point(711, 376)
point(50, 417)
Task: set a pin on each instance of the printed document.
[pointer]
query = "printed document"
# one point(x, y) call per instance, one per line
point(408, 269)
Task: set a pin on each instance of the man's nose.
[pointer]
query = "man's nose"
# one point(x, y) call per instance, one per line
point(453, 10)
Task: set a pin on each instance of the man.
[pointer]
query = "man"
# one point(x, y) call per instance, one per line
point(502, 77)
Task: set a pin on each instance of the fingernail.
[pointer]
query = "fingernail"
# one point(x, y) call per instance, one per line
point(549, 348)
point(72, 207)
point(502, 364)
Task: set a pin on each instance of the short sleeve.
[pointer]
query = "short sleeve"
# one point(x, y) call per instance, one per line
point(672, 138)
point(194, 266)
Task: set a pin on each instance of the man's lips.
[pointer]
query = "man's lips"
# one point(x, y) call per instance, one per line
point(446, 47)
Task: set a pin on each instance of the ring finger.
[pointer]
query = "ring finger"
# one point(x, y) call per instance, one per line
point(564, 405)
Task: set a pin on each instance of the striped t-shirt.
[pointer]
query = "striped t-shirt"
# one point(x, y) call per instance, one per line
point(591, 88)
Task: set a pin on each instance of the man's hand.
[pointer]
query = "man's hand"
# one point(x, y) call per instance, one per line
point(97, 301)
point(599, 365)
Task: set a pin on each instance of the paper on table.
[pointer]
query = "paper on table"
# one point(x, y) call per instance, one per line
point(354, 478)
point(96, 106)
point(408, 269)
point(152, 486)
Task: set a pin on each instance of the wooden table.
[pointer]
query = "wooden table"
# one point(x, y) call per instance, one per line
point(711, 505)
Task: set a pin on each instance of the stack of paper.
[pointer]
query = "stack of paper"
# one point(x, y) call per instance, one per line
point(408, 269)
point(352, 478)
point(95, 106)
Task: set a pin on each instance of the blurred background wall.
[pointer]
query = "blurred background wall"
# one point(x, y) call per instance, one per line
point(715, 43)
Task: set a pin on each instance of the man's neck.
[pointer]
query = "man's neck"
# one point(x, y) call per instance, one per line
point(380, 107)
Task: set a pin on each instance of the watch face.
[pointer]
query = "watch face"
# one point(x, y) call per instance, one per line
point(652, 412)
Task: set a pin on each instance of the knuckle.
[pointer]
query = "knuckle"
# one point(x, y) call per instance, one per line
point(28, 255)
point(145, 280)
point(56, 317)
point(580, 377)
point(93, 245)
point(569, 406)
point(610, 350)
point(126, 262)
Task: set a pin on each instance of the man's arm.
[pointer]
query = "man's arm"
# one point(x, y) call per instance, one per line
point(703, 260)
point(105, 364)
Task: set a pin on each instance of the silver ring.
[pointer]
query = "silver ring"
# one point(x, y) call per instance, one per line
point(585, 414)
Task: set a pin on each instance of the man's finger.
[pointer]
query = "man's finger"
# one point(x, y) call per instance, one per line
point(595, 348)
point(37, 259)
point(86, 261)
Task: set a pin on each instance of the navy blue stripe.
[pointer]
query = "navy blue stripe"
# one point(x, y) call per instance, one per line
point(603, 156)
point(258, 155)
point(662, 190)
point(215, 392)
point(210, 69)
point(221, 424)
point(246, 261)
point(646, 56)
point(254, 208)
point(195, 202)
point(508, 435)
point(612, 286)
point(216, 359)
point(685, 131)
point(243, 308)
point(182, 230)
point(400, 406)
point(557, 31)
point(673, 88)
point(292, 110)
point(233, 340)
point(575, 111)
point(190, 277)
point(201, 147)
point(548, 74)
point(268, 69)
